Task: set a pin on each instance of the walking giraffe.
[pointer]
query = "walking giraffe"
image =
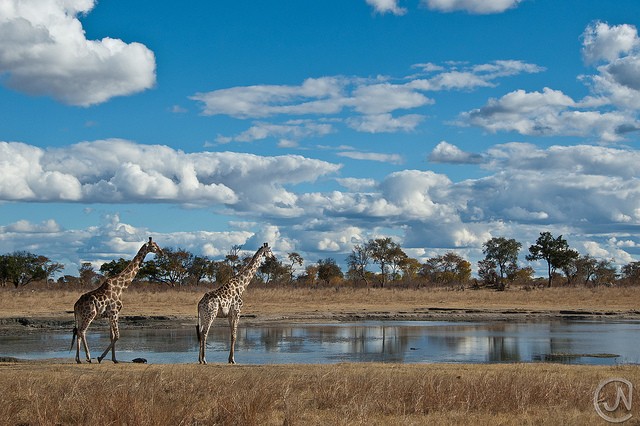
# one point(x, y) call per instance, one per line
point(226, 301)
point(105, 302)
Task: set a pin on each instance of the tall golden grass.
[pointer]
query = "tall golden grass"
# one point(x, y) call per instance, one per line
point(279, 301)
point(342, 394)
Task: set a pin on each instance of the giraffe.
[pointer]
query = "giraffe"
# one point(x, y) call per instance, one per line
point(226, 301)
point(105, 302)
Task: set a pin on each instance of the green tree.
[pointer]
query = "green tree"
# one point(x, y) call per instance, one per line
point(555, 251)
point(198, 269)
point(504, 252)
point(219, 272)
point(272, 270)
point(567, 263)
point(397, 258)
point(328, 270)
point(310, 274)
point(631, 272)
point(410, 268)
point(110, 269)
point(87, 274)
point(447, 269)
point(173, 268)
point(149, 271)
point(585, 268)
point(523, 276)
point(21, 267)
point(605, 273)
point(385, 253)
point(487, 272)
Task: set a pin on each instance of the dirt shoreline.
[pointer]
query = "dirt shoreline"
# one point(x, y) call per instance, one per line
point(18, 325)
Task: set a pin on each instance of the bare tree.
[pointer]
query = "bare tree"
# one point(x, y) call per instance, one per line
point(295, 259)
point(358, 261)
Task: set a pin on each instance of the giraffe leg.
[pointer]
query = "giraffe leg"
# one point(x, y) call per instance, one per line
point(115, 335)
point(83, 335)
point(76, 336)
point(206, 314)
point(73, 338)
point(204, 332)
point(234, 317)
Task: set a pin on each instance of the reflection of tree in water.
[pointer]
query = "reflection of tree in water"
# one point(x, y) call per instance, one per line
point(370, 341)
point(280, 339)
point(502, 343)
point(159, 340)
point(559, 341)
point(454, 339)
point(503, 349)
point(346, 340)
point(380, 340)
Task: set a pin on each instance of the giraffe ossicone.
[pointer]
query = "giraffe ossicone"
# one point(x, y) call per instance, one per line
point(105, 302)
point(226, 301)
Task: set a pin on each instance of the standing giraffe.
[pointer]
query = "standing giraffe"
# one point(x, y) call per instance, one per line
point(226, 301)
point(105, 302)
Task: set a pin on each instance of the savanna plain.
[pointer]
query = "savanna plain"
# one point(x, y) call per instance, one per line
point(59, 392)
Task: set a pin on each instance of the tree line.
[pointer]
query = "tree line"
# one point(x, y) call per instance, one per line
point(379, 262)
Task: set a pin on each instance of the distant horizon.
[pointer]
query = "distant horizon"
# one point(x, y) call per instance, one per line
point(246, 254)
point(315, 127)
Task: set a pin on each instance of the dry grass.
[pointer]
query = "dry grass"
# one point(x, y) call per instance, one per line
point(342, 394)
point(37, 393)
point(270, 302)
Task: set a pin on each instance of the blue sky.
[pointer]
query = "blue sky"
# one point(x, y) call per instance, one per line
point(318, 125)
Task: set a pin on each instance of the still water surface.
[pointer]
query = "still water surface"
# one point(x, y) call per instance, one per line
point(574, 342)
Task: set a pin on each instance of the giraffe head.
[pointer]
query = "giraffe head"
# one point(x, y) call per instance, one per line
point(152, 247)
point(265, 251)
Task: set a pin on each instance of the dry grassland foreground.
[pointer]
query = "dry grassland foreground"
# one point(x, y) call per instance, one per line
point(54, 393)
point(343, 394)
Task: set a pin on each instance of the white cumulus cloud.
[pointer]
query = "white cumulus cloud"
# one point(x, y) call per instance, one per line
point(44, 51)
point(604, 42)
point(120, 171)
point(445, 152)
point(367, 105)
point(549, 113)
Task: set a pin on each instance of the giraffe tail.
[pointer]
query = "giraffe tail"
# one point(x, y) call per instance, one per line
point(73, 338)
point(198, 331)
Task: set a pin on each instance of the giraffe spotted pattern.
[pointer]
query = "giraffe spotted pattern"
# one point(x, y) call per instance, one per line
point(105, 302)
point(226, 302)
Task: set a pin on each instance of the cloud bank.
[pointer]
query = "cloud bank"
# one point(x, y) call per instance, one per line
point(120, 171)
point(369, 105)
point(591, 193)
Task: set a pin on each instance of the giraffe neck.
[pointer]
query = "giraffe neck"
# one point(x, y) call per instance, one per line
point(123, 279)
point(247, 273)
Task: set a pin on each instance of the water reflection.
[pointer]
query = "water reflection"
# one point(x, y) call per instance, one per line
point(382, 341)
